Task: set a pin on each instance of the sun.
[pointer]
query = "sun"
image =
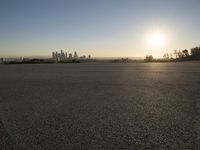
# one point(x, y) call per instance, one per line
point(157, 39)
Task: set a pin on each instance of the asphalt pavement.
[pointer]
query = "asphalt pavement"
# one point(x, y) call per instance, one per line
point(100, 106)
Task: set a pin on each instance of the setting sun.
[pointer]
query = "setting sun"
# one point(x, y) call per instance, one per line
point(157, 39)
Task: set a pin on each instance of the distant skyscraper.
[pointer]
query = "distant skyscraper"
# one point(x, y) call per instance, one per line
point(65, 55)
point(62, 55)
point(59, 56)
point(70, 56)
point(54, 56)
point(75, 55)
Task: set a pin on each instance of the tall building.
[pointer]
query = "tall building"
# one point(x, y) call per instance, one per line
point(70, 56)
point(54, 56)
point(65, 55)
point(75, 55)
point(62, 55)
point(59, 56)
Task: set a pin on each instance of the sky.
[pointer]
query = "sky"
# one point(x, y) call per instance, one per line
point(102, 28)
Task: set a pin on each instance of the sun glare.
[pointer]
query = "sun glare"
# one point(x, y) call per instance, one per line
point(157, 39)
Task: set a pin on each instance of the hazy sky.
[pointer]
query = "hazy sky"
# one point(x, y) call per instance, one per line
point(99, 27)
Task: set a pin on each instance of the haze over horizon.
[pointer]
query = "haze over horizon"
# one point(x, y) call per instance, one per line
point(106, 28)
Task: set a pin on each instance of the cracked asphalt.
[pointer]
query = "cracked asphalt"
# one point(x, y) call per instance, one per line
point(100, 106)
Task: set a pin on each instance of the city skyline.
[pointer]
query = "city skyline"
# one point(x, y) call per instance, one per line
point(113, 28)
point(64, 56)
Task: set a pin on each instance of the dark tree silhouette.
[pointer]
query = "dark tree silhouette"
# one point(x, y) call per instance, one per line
point(195, 53)
point(166, 56)
point(185, 53)
point(176, 54)
point(171, 56)
point(149, 58)
point(180, 54)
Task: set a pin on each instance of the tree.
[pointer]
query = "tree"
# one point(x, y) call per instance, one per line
point(185, 53)
point(180, 54)
point(171, 56)
point(195, 52)
point(176, 54)
point(166, 56)
point(149, 58)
